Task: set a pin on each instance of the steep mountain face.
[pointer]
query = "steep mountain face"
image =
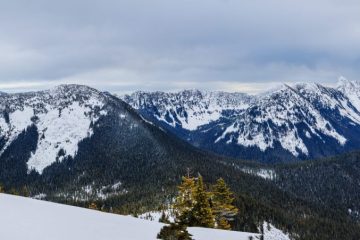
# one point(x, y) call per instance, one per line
point(294, 122)
point(60, 118)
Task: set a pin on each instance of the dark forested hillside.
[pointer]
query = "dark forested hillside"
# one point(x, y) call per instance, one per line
point(333, 182)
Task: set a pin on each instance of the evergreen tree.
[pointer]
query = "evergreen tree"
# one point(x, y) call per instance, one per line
point(174, 231)
point(202, 212)
point(93, 206)
point(222, 204)
point(185, 201)
point(13, 191)
point(1, 188)
point(25, 191)
point(164, 218)
point(222, 223)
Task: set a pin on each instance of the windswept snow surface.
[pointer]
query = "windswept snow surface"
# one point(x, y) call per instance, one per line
point(23, 218)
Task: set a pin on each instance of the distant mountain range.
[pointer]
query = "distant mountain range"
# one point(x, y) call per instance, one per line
point(77, 135)
point(302, 121)
point(76, 145)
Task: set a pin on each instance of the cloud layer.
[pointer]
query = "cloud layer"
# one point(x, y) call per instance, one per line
point(131, 45)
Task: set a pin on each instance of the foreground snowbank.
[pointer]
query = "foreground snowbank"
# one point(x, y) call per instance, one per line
point(24, 218)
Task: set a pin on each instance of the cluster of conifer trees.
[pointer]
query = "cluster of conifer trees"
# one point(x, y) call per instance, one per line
point(195, 205)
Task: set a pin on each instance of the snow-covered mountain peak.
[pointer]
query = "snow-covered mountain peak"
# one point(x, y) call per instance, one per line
point(62, 116)
point(188, 109)
point(351, 89)
point(346, 83)
point(292, 116)
point(347, 86)
point(73, 92)
point(71, 88)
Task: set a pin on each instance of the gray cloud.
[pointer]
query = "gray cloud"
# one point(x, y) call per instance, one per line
point(168, 45)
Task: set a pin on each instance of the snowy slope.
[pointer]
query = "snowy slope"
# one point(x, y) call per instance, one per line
point(270, 231)
point(288, 121)
point(23, 218)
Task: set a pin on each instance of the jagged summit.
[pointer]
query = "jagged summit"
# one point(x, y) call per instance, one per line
point(345, 83)
point(188, 109)
point(287, 121)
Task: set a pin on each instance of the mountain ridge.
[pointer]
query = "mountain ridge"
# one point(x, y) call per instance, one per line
point(283, 123)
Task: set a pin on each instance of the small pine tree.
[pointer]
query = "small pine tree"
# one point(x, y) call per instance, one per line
point(222, 223)
point(164, 218)
point(184, 202)
point(93, 206)
point(174, 231)
point(202, 212)
point(25, 191)
point(222, 204)
point(1, 188)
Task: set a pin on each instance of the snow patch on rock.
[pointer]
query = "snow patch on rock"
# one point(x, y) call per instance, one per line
point(262, 172)
point(60, 132)
point(63, 117)
point(273, 233)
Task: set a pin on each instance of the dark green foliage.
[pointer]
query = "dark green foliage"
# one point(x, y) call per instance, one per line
point(332, 182)
point(185, 201)
point(222, 204)
point(174, 231)
point(164, 218)
point(195, 206)
point(202, 212)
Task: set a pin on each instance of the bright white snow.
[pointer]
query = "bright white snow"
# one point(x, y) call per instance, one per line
point(60, 131)
point(259, 121)
point(62, 121)
point(272, 233)
point(263, 173)
point(23, 218)
point(284, 109)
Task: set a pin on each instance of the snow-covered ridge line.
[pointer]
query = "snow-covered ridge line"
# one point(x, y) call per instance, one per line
point(291, 116)
point(63, 117)
point(189, 108)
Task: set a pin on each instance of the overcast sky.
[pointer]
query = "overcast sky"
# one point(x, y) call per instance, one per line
point(127, 45)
